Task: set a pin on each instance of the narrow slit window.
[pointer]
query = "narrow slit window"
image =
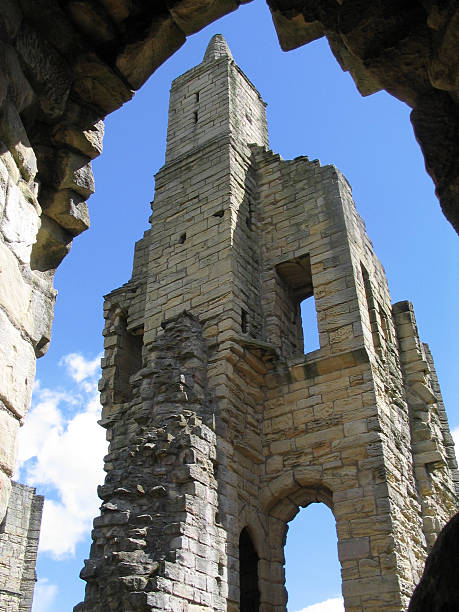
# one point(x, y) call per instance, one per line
point(196, 97)
point(195, 116)
point(372, 308)
point(309, 324)
point(244, 321)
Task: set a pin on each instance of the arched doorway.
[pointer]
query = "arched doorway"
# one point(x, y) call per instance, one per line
point(312, 568)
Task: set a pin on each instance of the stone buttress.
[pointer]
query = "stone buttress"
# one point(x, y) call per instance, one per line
point(220, 427)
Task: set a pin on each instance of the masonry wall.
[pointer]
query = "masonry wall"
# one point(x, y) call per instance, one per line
point(218, 422)
point(19, 535)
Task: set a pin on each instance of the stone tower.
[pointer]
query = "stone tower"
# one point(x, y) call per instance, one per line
point(220, 427)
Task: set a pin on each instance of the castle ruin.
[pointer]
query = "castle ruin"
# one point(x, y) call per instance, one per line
point(220, 427)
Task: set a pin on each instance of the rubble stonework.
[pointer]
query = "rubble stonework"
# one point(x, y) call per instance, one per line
point(19, 534)
point(220, 427)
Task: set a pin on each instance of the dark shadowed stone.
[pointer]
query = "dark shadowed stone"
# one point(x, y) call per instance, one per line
point(92, 20)
point(13, 81)
point(10, 18)
point(98, 85)
point(117, 9)
point(438, 590)
point(192, 15)
point(436, 126)
point(294, 31)
point(47, 70)
point(63, 35)
point(13, 134)
point(138, 60)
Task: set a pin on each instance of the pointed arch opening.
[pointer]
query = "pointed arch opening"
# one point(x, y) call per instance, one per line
point(312, 568)
point(248, 574)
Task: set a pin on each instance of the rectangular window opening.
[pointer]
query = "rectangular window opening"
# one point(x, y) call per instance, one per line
point(195, 116)
point(309, 324)
point(298, 325)
point(127, 358)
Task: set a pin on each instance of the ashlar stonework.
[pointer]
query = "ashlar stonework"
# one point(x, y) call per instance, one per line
point(220, 427)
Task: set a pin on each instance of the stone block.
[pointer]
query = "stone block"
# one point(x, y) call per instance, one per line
point(17, 368)
point(353, 548)
point(48, 69)
point(15, 83)
point(88, 141)
point(5, 492)
point(138, 60)
point(192, 15)
point(52, 245)
point(67, 208)
point(9, 426)
point(4, 178)
point(20, 222)
point(98, 85)
point(13, 134)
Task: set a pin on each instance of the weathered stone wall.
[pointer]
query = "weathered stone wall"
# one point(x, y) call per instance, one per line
point(19, 534)
point(217, 421)
point(59, 83)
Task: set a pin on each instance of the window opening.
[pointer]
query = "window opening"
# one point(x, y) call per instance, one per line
point(312, 568)
point(196, 96)
point(372, 308)
point(248, 574)
point(385, 323)
point(309, 324)
point(182, 238)
point(298, 324)
point(127, 358)
point(195, 116)
point(244, 321)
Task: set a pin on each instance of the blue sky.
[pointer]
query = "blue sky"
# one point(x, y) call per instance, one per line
point(313, 109)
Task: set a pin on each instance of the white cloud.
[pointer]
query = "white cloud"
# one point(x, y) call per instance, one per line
point(61, 448)
point(44, 595)
point(80, 368)
point(334, 604)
